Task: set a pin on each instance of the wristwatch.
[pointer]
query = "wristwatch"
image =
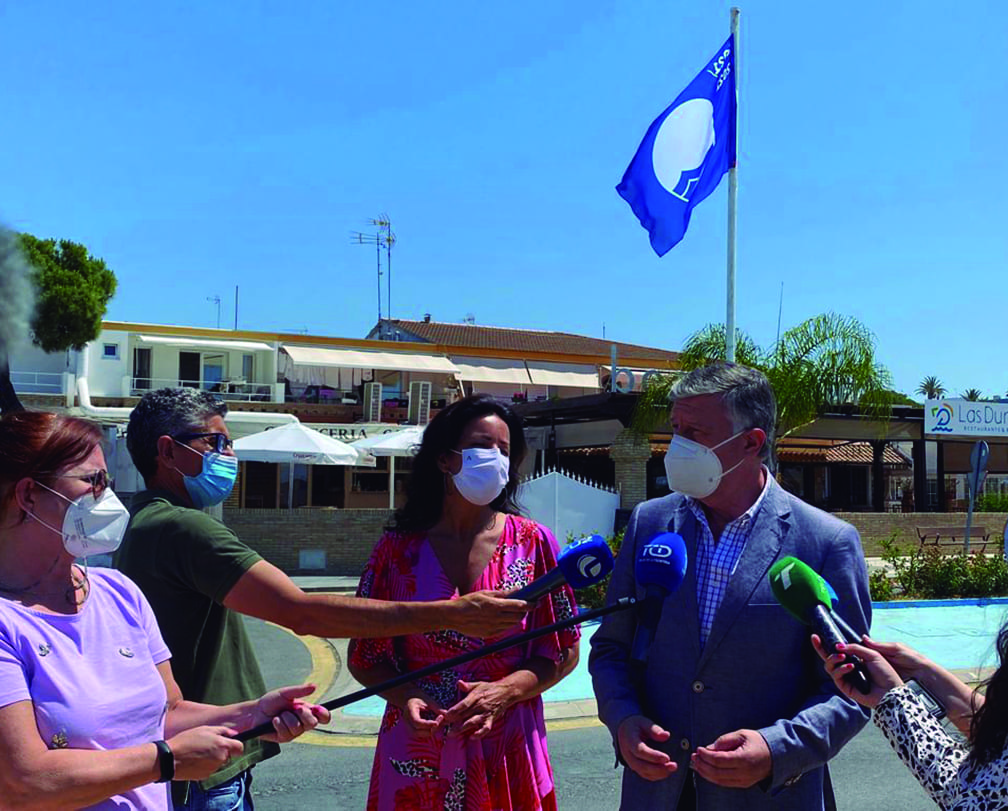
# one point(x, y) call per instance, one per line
point(166, 761)
point(932, 704)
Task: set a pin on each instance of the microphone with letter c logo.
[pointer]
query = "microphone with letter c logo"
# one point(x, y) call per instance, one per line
point(581, 563)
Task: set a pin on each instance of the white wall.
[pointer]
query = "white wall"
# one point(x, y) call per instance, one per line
point(569, 507)
point(105, 375)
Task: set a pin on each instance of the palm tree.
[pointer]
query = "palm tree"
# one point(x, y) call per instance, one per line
point(971, 394)
point(931, 387)
point(825, 360)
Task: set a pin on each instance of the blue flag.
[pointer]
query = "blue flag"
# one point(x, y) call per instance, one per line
point(684, 154)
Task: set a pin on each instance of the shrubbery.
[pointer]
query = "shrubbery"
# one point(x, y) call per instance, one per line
point(880, 586)
point(928, 574)
point(992, 503)
point(594, 596)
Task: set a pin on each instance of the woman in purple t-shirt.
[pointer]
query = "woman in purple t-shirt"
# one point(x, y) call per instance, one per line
point(90, 715)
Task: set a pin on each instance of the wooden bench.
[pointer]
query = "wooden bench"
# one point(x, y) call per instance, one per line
point(951, 538)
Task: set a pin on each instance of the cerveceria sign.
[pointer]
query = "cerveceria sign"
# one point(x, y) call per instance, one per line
point(965, 418)
point(352, 431)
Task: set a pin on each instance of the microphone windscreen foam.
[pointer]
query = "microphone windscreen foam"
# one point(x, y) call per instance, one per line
point(586, 561)
point(798, 588)
point(662, 562)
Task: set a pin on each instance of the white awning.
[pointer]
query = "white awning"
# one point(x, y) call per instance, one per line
point(368, 359)
point(205, 343)
point(563, 374)
point(492, 370)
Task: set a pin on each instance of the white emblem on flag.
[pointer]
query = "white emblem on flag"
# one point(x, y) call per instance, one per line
point(681, 144)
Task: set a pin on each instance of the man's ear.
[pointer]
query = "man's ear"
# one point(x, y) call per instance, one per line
point(755, 440)
point(166, 450)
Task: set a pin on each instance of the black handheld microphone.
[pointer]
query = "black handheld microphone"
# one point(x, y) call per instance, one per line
point(580, 563)
point(803, 593)
point(660, 568)
point(849, 633)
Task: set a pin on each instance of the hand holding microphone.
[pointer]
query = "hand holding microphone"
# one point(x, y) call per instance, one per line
point(583, 567)
point(804, 595)
point(841, 664)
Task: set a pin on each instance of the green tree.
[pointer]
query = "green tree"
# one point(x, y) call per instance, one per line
point(971, 394)
point(825, 360)
point(931, 387)
point(72, 290)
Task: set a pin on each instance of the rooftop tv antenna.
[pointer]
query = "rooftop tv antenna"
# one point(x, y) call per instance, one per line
point(383, 236)
point(216, 300)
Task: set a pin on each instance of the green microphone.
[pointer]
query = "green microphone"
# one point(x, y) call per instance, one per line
point(805, 596)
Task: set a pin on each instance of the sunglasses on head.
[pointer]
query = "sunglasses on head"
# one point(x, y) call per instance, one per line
point(219, 442)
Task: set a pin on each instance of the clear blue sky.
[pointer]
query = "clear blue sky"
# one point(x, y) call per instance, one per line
point(196, 148)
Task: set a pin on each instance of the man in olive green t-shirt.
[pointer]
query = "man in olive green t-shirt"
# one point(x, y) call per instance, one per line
point(199, 576)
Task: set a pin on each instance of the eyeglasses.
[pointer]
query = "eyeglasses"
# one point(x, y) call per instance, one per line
point(99, 481)
point(219, 442)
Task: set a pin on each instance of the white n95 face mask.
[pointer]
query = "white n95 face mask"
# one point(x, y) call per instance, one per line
point(483, 475)
point(91, 526)
point(694, 469)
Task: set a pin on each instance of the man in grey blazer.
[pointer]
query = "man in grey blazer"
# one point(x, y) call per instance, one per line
point(734, 709)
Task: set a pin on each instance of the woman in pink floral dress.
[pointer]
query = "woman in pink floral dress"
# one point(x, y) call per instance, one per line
point(473, 738)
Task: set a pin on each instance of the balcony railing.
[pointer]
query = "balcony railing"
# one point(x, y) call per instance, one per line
point(227, 390)
point(37, 382)
point(390, 398)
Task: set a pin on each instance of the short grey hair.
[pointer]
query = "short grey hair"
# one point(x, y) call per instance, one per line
point(746, 393)
point(167, 412)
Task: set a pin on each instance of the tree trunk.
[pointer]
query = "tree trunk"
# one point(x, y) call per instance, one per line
point(9, 401)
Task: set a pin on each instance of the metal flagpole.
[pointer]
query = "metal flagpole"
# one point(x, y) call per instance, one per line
point(732, 202)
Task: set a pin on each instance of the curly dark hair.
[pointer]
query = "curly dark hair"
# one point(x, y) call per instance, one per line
point(425, 488)
point(989, 725)
point(167, 412)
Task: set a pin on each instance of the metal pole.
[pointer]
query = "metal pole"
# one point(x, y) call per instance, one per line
point(388, 266)
point(378, 256)
point(732, 203)
point(236, 307)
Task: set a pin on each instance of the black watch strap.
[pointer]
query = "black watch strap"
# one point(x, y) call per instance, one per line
point(166, 761)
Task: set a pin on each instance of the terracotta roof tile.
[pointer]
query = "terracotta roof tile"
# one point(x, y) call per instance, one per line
point(521, 340)
point(832, 453)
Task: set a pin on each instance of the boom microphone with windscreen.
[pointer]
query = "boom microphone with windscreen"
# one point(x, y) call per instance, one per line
point(622, 604)
point(580, 563)
point(660, 568)
point(804, 595)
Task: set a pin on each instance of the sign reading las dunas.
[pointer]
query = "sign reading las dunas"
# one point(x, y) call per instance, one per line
point(965, 418)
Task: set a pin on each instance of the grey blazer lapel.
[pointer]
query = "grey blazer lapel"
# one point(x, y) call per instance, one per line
point(759, 553)
point(685, 524)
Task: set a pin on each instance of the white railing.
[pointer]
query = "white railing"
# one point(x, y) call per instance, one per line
point(37, 382)
point(228, 390)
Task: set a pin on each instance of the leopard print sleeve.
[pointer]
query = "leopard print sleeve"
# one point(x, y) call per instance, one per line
point(938, 760)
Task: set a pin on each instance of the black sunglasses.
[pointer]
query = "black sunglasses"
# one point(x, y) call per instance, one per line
point(220, 442)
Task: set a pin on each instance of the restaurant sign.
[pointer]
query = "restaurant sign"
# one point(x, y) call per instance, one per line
point(965, 418)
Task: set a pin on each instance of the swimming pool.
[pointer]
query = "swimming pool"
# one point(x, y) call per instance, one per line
point(956, 634)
